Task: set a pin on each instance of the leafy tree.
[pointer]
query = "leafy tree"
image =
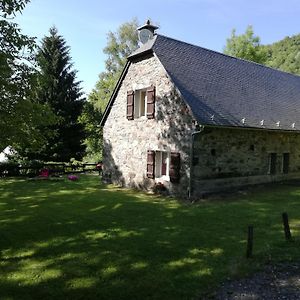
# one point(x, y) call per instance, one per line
point(285, 54)
point(120, 45)
point(21, 118)
point(57, 87)
point(246, 46)
point(90, 118)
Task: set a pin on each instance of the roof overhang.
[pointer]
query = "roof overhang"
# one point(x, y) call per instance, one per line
point(116, 89)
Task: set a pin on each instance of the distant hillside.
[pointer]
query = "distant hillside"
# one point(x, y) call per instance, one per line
point(285, 55)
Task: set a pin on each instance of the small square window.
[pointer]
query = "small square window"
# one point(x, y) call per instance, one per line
point(140, 103)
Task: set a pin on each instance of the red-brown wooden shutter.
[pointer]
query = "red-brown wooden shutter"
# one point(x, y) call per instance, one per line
point(174, 171)
point(130, 105)
point(150, 163)
point(151, 102)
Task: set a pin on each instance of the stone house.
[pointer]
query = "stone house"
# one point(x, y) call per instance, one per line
point(196, 120)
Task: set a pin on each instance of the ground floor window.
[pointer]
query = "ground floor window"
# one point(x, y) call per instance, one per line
point(285, 163)
point(272, 163)
point(162, 164)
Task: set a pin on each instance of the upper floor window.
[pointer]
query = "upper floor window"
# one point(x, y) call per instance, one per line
point(140, 103)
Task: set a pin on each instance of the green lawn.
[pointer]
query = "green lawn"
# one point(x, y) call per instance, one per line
point(85, 240)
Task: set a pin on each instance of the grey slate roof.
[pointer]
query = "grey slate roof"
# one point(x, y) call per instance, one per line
point(222, 90)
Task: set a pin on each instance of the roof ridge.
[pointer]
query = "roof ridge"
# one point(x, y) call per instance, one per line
point(226, 55)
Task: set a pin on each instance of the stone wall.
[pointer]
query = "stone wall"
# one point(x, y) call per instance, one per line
point(126, 141)
point(225, 158)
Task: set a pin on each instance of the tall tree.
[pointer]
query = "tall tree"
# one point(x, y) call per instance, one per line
point(285, 54)
point(58, 87)
point(21, 118)
point(120, 45)
point(246, 46)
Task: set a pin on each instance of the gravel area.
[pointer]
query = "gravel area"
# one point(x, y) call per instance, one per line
point(280, 282)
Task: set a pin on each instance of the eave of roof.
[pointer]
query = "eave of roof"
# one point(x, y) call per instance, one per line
point(116, 89)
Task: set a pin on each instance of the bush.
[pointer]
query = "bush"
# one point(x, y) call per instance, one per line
point(75, 162)
point(160, 188)
point(9, 168)
point(31, 167)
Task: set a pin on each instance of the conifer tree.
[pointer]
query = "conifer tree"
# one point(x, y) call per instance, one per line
point(57, 86)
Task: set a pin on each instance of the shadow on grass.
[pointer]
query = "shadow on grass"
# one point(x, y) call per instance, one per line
point(85, 240)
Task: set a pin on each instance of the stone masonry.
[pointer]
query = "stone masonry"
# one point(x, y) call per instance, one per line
point(126, 141)
point(222, 157)
point(225, 158)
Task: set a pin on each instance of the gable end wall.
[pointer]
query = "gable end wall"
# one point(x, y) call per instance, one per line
point(126, 142)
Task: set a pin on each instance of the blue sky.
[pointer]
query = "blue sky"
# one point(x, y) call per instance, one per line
point(207, 23)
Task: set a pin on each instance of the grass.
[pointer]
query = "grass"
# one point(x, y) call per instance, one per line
point(85, 240)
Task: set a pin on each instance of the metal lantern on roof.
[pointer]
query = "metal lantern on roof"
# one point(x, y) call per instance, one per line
point(146, 32)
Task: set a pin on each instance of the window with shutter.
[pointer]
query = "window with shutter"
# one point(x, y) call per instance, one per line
point(150, 163)
point(175, 167)
point(151, 102)
point(130, 105)
point(162, 160)
point(140, 102)
point(164, 163)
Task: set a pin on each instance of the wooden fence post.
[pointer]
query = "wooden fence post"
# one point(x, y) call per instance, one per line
point(250, 241)
point(286, 226)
